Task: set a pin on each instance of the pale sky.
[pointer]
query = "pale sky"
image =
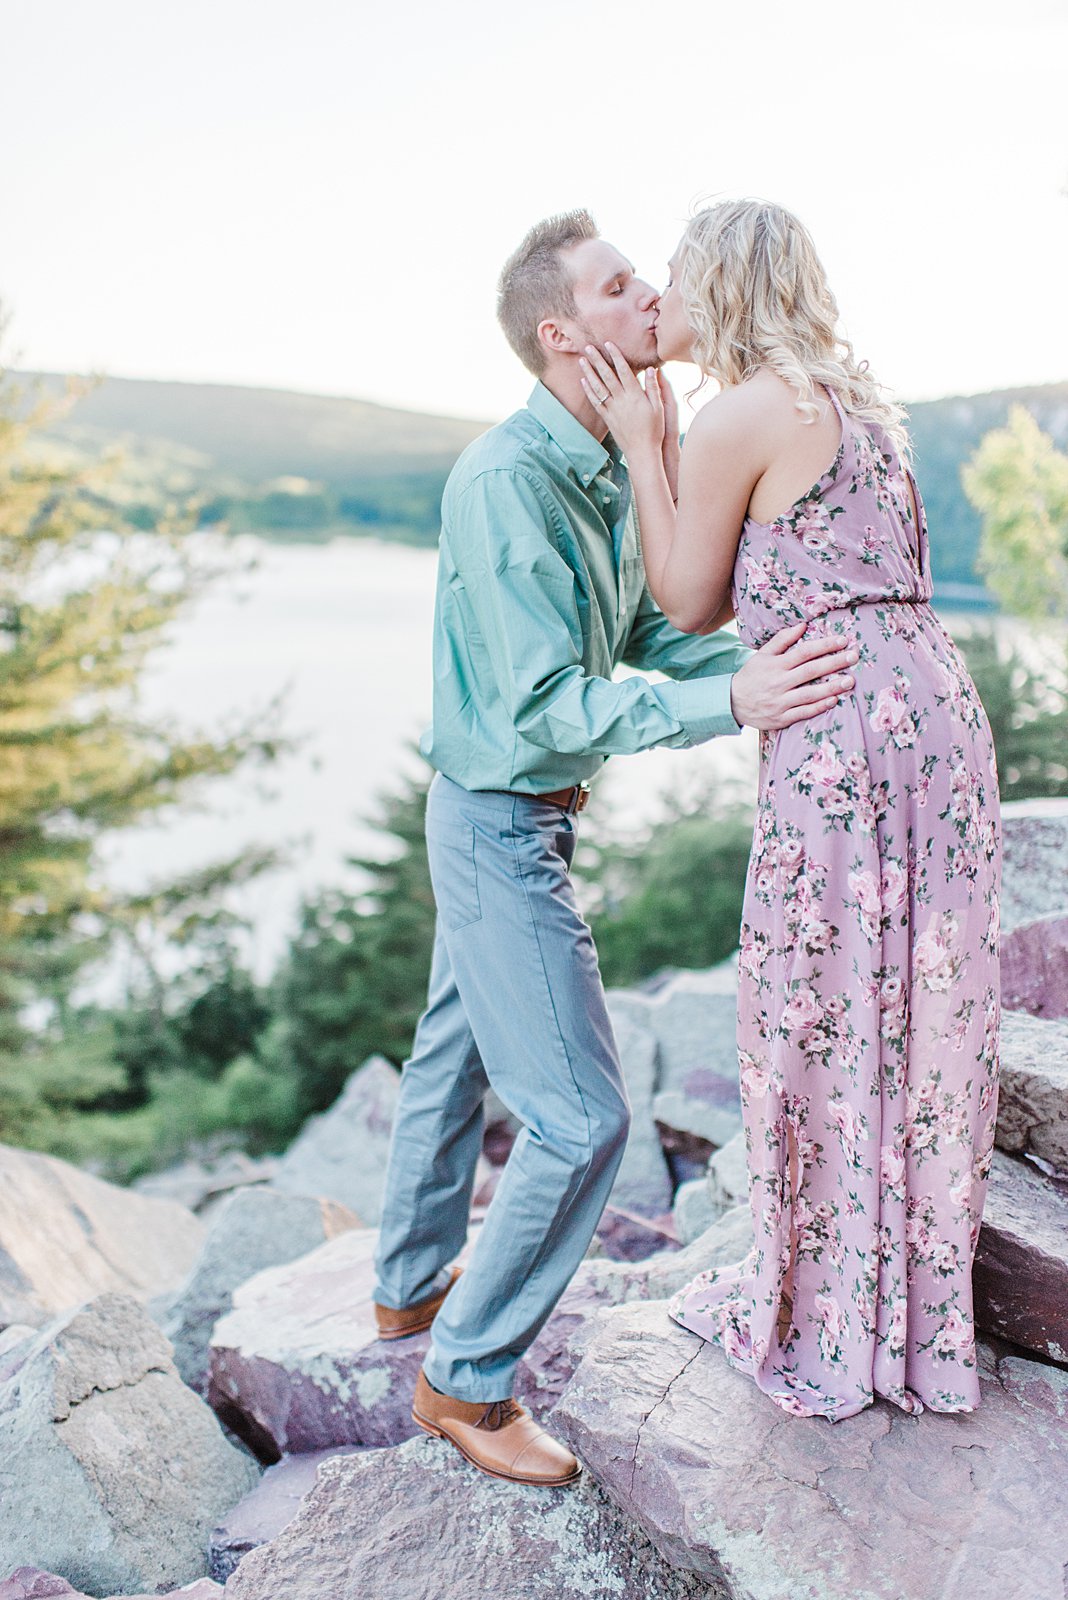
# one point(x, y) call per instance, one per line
point(319, 196)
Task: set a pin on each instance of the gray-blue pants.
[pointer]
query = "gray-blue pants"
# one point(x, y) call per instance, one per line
point(515, 1001)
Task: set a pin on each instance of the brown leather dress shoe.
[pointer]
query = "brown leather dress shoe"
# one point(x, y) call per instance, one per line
point(499, 1437)
point(411, 1319)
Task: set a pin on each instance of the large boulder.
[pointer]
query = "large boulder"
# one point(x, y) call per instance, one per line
point(343, 1152)
point(769, 1506)
point(1033, 1099)
point(1021, 1264)
point(643, 1183)
point(418, 1522)
point(297, 1364)
point(1035, 880)
point(112, 1472)
point(265, 1510)
point(66, 1236)
point(251, 1229)
point(1034, 967)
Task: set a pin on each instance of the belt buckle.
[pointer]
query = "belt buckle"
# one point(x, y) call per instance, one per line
point(581, 798)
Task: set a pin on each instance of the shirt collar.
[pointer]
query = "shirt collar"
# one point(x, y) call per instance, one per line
point(579, 446)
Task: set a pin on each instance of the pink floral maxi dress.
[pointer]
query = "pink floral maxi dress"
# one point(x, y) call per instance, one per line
point(868, 1003)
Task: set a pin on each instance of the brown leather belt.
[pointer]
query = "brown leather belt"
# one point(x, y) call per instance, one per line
point(570, 800)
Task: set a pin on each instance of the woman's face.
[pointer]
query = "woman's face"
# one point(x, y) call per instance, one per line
point(674, 338)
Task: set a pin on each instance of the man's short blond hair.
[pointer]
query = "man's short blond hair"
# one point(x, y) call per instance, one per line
point(535, 283)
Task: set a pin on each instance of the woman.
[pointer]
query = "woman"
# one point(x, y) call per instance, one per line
point(868, 994)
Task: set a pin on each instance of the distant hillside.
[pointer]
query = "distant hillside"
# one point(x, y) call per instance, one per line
point(297, 466)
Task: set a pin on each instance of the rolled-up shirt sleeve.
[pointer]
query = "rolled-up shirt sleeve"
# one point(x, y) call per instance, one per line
point(522, 597)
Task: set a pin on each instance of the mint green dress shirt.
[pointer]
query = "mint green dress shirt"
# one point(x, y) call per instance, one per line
point(541, 593)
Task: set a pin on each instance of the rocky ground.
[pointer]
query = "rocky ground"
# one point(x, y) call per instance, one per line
point(193, 1402)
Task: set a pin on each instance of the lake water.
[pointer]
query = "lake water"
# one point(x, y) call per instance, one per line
point(344, 631)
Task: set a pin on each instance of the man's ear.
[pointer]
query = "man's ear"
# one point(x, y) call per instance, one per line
point(552, 336)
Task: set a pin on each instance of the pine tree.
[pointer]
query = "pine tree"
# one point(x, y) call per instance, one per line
point(84, 598)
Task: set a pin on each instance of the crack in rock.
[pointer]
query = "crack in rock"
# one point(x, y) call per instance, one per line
point(655, 1407)
point(106, 1388)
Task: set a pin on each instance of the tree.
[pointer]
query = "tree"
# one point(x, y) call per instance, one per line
point(1018, 481)
point(84, 598)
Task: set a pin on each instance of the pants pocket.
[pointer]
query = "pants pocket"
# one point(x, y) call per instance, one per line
point(454, 873)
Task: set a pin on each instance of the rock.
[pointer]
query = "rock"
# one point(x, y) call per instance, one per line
point(1033, 1100)
point(693, 1211)
point(297, 1364)
point(770, 1506)
point(1021, 1264)
point(66, 1236)
point(693, 1019)
point(1035, 879)
point(30, 1583)
point(200, 1184)
point(342, 1153)
point(623, 1236)
point(418, 1523)
point(547, 1367)
point(112, 1472)
point(643, 1183)
point(728, 1176)
point(252, 1229)
point(266, 1510)
point(1034, 967)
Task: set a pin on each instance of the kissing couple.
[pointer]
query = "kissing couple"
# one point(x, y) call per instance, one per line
point(577, 535)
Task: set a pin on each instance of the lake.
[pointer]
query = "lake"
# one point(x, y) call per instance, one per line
point(343, 630)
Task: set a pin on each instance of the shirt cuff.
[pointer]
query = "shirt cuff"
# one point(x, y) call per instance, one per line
point(701, 705)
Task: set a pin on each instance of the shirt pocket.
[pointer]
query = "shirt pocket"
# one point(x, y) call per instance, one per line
point(454, 874)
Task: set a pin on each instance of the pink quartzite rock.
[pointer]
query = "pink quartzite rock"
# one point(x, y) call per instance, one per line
point(297, 1365)
point(1034, 968)
point(1021, 1265)
point(263, 1513)
point(624, 1236)
point(417, 1523)
point(30, 1583)
point(1033, 1100)
point(546, 1369)
point(882, 1507)
point(1035, 879)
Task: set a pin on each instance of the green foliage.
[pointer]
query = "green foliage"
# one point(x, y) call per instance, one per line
point(80, 611)
point(674, 897)
point(1026, 700)
point(1018, 481)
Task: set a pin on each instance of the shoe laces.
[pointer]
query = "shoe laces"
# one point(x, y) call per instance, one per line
point(498, 1413)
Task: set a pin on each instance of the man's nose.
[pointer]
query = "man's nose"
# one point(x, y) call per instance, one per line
point(649, 296)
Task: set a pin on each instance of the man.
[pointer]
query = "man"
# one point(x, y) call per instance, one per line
point(540, 594)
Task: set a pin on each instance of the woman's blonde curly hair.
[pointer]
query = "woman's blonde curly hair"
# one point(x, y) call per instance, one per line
point(756, 295)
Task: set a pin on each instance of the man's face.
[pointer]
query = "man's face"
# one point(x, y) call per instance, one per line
point(612, 303)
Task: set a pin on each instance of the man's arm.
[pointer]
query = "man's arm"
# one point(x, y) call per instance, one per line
point(787, 679)
point(522, 599)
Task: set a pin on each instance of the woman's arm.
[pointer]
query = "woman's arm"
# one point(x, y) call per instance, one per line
point(689, 552)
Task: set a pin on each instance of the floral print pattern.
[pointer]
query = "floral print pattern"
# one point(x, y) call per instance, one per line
point(868, 975)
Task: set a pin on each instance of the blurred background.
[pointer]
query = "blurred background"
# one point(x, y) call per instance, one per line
point(249, 255)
